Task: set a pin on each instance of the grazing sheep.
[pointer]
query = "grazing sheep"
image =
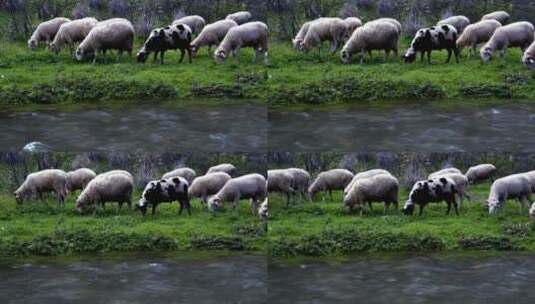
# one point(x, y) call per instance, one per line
point(371, 36)
point(477, 33)
point(300, 37)
point(500, 16)
point(212, 34)
point(352, 23)
point(280, 181)
point(426, 40)
point(362, 175)
point(37, 183)
point(229, 169)
point(480, 173)
point(263, 211)
point(324, 29)
point(116, 33)
point(300, 180)
point(165, 191)
point(461, 183)
point(336, 179)
point(208, 184)
point(432, 191)
point(72, 32)
point(252, 34)
point(379, 188)
point(444, 172)
point(250, 186)
point(177, 36)
point(78, 179)
point(46, 31)
point(518, 34)
point(196, 23)
point(187, 173)
point(240, 17)
point(529, 57)
point(516, 186)
point(458, 22)
point(116, 186)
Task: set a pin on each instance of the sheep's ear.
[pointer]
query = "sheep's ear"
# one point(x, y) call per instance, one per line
point(180, 27)
point(443, 180)
point(176, 180)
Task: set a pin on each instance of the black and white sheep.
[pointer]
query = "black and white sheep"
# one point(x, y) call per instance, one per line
point(229, 169)
point(500, 16)
point(529, 57)
point(480, 173)
point(187, 173)
point(78, 179)
point(165, 191)
point(333, 30)
point(206, 185)
point(250, 186)
point(251, 34)
point(518, 34)
point(72, 32)
point(240, 17)
point(379, 188)
point(173, 37)
point(432, 191)
point(371, 36)
point(458, 22)
point(426, 40)
point(212, 34)
point(196, 23)
point(46, 31)
point(115, 186)
point(37, 183)
point(335, 179)
point(477, 33)
point(280, 181)
point(516, 186)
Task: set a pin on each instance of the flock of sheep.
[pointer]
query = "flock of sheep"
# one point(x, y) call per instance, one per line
point(378, 185)
point(219, 186)
point(190, 33)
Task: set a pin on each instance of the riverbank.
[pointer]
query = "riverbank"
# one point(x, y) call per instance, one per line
point(40, 77)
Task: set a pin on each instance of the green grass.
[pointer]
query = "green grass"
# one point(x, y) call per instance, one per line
point(290, 78)
point(325, 228)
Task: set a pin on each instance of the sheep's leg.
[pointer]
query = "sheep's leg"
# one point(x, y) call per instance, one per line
point(387, 54)
point(162, 54)
point(154, 209)
point(181, 208)
point(449, 208)
point(119, 55)
point(449, 56)
point(155, 58)
point(334, 46)
point(422, 57)
point(182, 54)
point(456, 206)
point(189, 55)
point(204, 199)
point(287, 199)
point(385, 208)
point(429, 57)
point(362, 52)
point(266, 59)
point(457, 54)
point(370, 206)
point(421, 210)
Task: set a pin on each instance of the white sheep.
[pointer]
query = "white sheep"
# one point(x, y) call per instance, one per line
point(72, 32)
point(116, 33)
point(379, 188)
point(529, 57)
point(46, 31)
point(365, 174)
point(280, 181)
point(240, 17)
point(250, 186)
point(300, 180)
point(300, 37)
point(371, 36)
point(185, 172)
point(335, 179)
point(212, 34)
point(477, 33)
point(352, 23)
point(206, 185)
point(165, 191)
point(37, 183)
point(516, 186)
point(229, 169)
point(78, 179)
point(333, 30)
point(518, 34)
point(500, 16)
point(459, 22)
point(251, 34)
point(444, 172)
point(263, 211)
point(480, 173)
point(432, 191)
point(196, 23)
point(114, 186)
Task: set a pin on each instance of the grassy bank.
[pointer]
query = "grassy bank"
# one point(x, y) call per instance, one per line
point(290, 78)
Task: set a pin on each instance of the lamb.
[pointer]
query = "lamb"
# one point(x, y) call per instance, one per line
point(518, 34)
point(250, 186)
point(352, 23)
point(229, 169)
point(300, 180)
point(46, 31)
point(325, 29)
point(336, 179)
point(365, 174)
point(37, 183)
point(116, 186)
point(432, 191)
point(187, 173)
point(480, 173)
point(252, 34)
point(516, 186)
point(165, 191)
point(300, 37)
point(529, 57)
point(72, 32)
point(176, 36)
point(115, 33)
point(500, 16)
point(427, 40)
point(444, 172)
point(371, 36)
point(78, 179)
point(280, 181)
point(212, 34)
point(208, 184)
point(458, 22)
point(477, 33)
point(196, 23)
point(263, 211)
point(240, 17)
point(379, 188)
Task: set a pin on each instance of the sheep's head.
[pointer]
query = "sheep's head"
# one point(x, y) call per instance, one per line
point(530, 62)
point(486, 54)
point(214, 203)
point(54, 47)
point(32, 44)
point(81, 203)
point(408, 209)
point(345, 57)
point(220, 55)
point(409, 56)
point(194, 49)
point(82, 54)
point(493, 206)
point(142, 206)
point(19, 197)
point(142, 56)
point(297, 43)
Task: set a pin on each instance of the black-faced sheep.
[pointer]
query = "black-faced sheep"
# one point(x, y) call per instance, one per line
point(280, 181)
point(206, 185)
point(516, 186)
point(78, 179)
point(37, 183)
point(458, 22)
point(251, 34)
point(371, 36)
point(250, 186)
point(336, 179)
point(46, 31)
point(196, 23)
point(500, 16)
point(165, 191)
point(240, 17)
point(434, 38)
point(480, 173)
point(432, 191)
point(518, 34)
point(229, 169)
point(444, 172)
point(111, 34)
point(300, 37)
point(529, 57)
point(187, 173)
point(116, 186)
point(72, 32)
point(379, 188)
point(211, 35)
point(477, 33)
point(263, 211)
point(177, 36)
point(300, 180)
point(325, 29)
